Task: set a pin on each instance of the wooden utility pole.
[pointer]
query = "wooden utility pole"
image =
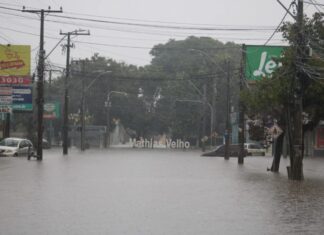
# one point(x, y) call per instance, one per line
point(66, 91)
point(40, 82)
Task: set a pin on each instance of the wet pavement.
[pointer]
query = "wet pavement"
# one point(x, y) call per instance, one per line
point(163, 192)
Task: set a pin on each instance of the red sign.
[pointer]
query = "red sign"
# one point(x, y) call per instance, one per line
point(17, 64)
point(15, 80)
point(320, 137)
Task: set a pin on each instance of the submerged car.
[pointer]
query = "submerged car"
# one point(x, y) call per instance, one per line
point(16, 147)
point(234, 150)
point(254, 149)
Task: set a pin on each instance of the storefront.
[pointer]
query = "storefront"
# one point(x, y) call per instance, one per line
point(319, 140)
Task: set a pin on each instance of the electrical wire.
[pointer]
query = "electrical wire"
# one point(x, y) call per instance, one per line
point(278, 27)
point(317, 8)
point(138, 20)
point(160, 26)
point(159, 33)
point(314, 4)
point(151, 25)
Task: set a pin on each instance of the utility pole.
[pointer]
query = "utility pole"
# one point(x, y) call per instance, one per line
point(66, 92)
point(295, 172)
point(241, 111)
point(214, 97)
point(82, 109)
point(107, 134)
point(203, 144)
point(227, 131)
point(40, 82)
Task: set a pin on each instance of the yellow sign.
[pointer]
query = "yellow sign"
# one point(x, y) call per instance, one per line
point(14, 60)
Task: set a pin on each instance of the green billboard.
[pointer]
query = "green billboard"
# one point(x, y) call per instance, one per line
point(52, 110)
point(260, 61)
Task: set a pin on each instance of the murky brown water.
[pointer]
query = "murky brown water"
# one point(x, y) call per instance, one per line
point(157, 192)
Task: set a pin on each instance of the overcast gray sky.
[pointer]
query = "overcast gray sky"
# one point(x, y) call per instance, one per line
point(131, 44)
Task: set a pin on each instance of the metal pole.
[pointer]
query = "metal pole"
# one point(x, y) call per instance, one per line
point(227, 131)
point(203, 146)
point(211, 123)
point(107, 142)
point(214, 104)
point(82, 109)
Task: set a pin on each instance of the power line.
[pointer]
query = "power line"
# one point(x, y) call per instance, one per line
point(314, 4)
point(142, 20)
point(160, 33)
point(117, 45)
point(151, 21)
point(274, 32)
point(162, 26)
point(11, 9)
point(154, 25)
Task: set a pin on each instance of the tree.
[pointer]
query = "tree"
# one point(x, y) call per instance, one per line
point(190, 64)
point(275, 96)
point(176, 72)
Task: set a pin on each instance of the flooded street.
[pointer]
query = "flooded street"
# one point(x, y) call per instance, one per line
point(145, 192)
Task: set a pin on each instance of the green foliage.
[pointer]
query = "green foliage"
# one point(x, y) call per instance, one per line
point(273, 96)
point(163, 82)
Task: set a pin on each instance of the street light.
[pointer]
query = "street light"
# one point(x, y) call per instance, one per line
point(108, 105)
point(227, 73)
point(84, 90)
point(211, 115)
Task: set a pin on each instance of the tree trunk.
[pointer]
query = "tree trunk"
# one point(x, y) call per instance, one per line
point(278, 153)
point(297, 169)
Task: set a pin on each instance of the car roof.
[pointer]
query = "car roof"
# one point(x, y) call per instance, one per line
point(14, 138)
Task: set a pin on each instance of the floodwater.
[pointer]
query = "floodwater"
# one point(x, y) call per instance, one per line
point(157, 192)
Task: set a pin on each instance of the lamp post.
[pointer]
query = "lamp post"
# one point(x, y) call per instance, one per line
point(211, 114)
point(212, 63)
point(227, 74)
point(82, 109)
point(108, 105)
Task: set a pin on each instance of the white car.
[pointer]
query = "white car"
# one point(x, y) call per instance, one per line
point(16, 147)
point(254, 149)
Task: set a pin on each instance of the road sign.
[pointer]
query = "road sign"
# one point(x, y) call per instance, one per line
point(22, 98)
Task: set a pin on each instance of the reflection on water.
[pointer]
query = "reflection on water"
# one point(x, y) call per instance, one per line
point(157, 192)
